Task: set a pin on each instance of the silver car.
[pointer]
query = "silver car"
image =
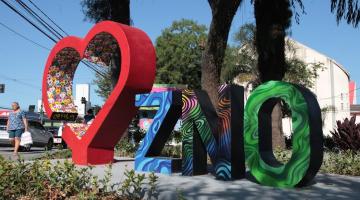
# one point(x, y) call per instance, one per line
point(40, 136)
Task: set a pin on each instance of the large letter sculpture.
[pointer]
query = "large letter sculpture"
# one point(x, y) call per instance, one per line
point(204, 131)
point(94, 144)
point(147, 156)
point(307, 139)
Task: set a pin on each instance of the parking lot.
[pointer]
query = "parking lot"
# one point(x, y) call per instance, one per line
point(35, 152)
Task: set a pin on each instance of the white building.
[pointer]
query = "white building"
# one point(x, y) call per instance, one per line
point(331, 88)
point(82, 90)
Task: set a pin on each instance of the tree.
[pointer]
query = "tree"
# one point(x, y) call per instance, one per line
point(179, 49)
point(104, 84)
point(246, 62)
point(223, 12)
point(272, 19)
point(99, 10)
point(347, 9)
point(115, 10)
point(242, 59)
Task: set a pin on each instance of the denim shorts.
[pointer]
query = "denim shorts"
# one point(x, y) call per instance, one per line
point(15, 133)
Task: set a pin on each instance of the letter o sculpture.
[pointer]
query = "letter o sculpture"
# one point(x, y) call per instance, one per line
point(307, 138)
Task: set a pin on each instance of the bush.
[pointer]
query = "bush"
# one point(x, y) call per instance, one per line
point(42, 179)
point(62, 154)
point(342, 162)
point(173, 151)
point(347, 135)
point(125, 148)
point(329, 143)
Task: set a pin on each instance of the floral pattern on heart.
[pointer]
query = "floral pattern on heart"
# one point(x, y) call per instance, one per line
point(59, 81)
point(79, 129)
point(100, 49)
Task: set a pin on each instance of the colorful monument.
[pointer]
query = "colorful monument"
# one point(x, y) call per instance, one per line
point(228, 133)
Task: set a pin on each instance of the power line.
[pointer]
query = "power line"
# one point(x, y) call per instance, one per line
point(43, 32)
point(24, 37)
point(87, 63)
point(29, 21)
point(48, 17)
point(21, 82)
point(39, 19)
point(336, 96)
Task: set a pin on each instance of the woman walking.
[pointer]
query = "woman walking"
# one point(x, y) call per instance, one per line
point(16, 125)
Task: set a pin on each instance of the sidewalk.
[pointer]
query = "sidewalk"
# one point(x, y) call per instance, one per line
point(324, 186)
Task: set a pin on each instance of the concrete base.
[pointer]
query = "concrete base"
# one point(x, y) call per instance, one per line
point(324, 186)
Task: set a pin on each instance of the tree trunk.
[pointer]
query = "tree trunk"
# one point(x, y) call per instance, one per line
point(120, 12)
point(278, 140)
point(223, 12)
point(272, 20)
point(114, 69)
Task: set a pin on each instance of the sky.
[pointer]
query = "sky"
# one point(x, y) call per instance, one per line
point(22, 63)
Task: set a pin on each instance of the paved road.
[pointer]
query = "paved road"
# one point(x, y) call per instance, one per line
point(324, 186)
point(35, 152)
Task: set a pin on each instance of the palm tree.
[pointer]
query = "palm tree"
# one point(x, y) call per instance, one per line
point(272, 20)
point(347, 9)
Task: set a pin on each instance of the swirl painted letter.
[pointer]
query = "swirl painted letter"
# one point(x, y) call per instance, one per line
point(169, 112)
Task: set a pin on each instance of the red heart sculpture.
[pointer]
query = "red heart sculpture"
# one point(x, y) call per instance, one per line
point(94, 144)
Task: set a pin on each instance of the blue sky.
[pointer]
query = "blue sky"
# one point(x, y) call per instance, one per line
point(24, 61)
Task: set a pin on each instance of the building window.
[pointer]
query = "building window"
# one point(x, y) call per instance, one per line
point(341, 96)
point(342, 106)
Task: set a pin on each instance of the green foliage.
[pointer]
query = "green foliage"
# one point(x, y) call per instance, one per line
point(153, 185)
point(232, 67)
point(42, 179)
point(179, 194)
point(99, 10)
point(62, 154)
point(96, 10)
point(173, 151)
point(301, 73)
point(347, 135)
point(241, 61)
point(346, 9)
point(179, 51)
point(282, 156)
point(103, 83)
point(342, 162)
point(132, 185)
point(125, 148)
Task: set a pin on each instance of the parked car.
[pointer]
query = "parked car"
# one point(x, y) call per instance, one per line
point(40, 136)
point(57, 136)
